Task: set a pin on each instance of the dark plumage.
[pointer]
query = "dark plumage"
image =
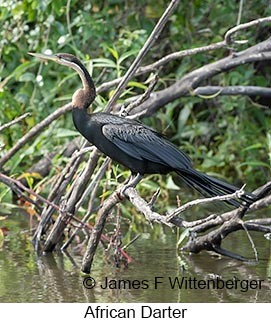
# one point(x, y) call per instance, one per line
point(134, 145)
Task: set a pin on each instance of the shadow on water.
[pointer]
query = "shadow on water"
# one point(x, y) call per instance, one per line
point(154, 275)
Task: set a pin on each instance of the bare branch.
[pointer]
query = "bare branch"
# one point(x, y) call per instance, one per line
point(188, 205)
point(192, 80)
point(57, 190)
point(180, 54)
point(251, 241)
point(19, 188)
point(144, 50)
point(209, 92)
point(96, 233)
point(141, 98)
point(16, 120)
point(229, 33)
point(70, 200)
point(33, 132)
point(145, 207)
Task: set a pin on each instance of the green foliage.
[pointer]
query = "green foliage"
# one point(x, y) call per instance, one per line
point(226, 136)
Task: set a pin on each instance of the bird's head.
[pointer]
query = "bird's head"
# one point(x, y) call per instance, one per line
point(82, 98)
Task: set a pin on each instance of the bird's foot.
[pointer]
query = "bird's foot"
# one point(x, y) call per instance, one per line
point(132, 182)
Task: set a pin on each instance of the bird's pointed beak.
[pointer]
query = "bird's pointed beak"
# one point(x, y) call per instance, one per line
point(45, 57)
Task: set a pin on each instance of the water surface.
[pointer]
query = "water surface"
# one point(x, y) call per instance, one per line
point(28, 277)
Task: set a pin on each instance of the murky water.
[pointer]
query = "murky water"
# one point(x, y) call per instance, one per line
point(153, 276)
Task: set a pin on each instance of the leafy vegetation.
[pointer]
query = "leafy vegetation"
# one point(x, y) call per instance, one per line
point(226, 136)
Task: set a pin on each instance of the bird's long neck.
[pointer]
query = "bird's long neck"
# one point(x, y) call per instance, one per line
point(88, 84)
point(82, 98)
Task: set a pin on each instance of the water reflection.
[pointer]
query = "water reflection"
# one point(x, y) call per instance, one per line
point(28, 277)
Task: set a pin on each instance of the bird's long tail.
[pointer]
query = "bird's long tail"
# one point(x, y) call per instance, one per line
point(210, 186)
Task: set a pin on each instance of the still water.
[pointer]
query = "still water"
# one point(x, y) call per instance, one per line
point(156, 266)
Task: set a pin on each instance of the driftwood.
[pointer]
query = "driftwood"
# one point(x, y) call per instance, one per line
point(72, 187)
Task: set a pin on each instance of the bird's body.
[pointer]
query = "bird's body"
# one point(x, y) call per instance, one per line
point(134, 145)
point(130, 143)
point(145, 151)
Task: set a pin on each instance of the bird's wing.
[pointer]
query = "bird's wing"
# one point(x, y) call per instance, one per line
point(144, 143)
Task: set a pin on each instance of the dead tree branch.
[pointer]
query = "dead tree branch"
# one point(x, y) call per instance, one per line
point(69, 201)
point(213, 91)
point(189, 83)
point(144, 50)
point(226, 222)
point(94, 239)
point(33, 132)
point(224, 44)
point(228, 36)
point(16, 120)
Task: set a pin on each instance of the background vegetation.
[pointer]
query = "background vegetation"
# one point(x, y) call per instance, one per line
point(226, 136)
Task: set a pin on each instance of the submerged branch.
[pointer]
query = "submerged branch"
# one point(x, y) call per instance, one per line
point(226, 222)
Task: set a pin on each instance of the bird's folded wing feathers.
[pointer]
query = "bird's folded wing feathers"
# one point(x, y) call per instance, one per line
point(144, 143)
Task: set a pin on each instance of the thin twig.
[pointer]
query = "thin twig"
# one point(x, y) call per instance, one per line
point(13, 183)
point(240, 11)
point(16, 120)
point(251, 240)
point(209, 92)
point(96, 178)
point(188, 205)
point(131, 241)
point(180, 54)
point(154, 198)
point(142, 97)
point(33, 132)
point(229, 33)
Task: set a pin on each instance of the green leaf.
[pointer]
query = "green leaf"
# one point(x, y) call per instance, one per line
point(127, 54)
point(137, 84)
point(251, 147)
point(184, 115)
point(66, 133)
point(104, 62)
point(21, 69)
point(26, 77)
point(114, 53)
point(184, 235)
point(255, 163)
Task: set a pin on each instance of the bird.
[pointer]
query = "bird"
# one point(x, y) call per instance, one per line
point(134, 145)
